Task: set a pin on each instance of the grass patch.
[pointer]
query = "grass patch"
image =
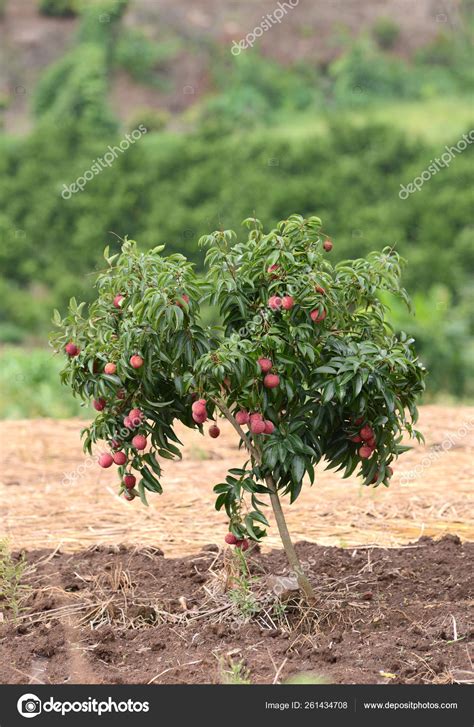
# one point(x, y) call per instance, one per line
point(12, 590)
point(436, 120)
point(30, 385)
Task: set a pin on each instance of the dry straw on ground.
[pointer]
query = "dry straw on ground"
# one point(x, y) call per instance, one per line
point(41, 508)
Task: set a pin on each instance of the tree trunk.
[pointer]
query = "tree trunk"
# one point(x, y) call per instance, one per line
point(290, 551)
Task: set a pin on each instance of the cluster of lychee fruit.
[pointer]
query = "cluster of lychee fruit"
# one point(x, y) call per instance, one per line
point(231, 539)
point(199, 414)
point(270, 381)
point(255, 422)
point(366, 438)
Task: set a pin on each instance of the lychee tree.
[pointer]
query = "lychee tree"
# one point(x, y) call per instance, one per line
point(304, 366)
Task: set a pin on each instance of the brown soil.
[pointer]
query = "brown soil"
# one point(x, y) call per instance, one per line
point(124, 615)
point(53, 495)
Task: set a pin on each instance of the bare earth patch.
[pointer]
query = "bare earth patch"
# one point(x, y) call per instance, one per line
point(129, 615)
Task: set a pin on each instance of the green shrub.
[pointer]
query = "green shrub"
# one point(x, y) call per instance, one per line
point(60, 8)
point(73, 93)
point(386, 32)
point(144, 58)
point(252, 87)
point(29, 386)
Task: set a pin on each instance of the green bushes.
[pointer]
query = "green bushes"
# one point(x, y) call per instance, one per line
point(142, 57)
point(169, 189)
point(29, 386)
point(59, 8)
point(252, 88)
point(385, 32)
point(73, 93)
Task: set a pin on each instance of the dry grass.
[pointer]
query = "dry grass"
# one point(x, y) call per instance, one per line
point(41, 510)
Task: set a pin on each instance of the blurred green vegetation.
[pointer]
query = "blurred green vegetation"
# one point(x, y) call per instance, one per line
point(29, 385)
point(336, 141)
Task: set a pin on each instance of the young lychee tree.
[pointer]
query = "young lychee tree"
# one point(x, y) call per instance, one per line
point(304, 366)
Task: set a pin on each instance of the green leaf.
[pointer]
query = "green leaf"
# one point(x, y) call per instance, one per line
point(141, 492)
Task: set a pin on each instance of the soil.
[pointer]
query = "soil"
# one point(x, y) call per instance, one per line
point(116, 614)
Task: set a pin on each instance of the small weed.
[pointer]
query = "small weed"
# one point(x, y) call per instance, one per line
point(12, 590)
point(241, 593)
point(235, 673)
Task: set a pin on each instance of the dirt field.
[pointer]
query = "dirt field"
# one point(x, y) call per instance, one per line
point(131, 616)
point(54, 496)
point(103, 603)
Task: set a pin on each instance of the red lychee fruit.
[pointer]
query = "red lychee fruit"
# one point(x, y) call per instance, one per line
point(129, 495)
point(287, 302)
point(199, 416)
point(375, 478)
point(118, 301)
point(214, 431)
point(269, 427)
point(121, 394)
point(242, 417)
point(127, 422)
point(366, 433)
point(372, 443)
point(272, 270)
point(365, 452)
point(99, 404)
point(265, 364)
point(275, 302)
point(316, 316)
point(271, 381)
point(356, 438)
point(71, 349)
point(319, 289)
point(327, 245)
point(129, 481)
point(242, 544)
point(120, 458)
point(110, 369)
point(230, 539)
point(139, 441)
point(257, 426)
point(136, 362)
point(359, 420)
point(115, 443)
point(106, 460)
point(255, 416)
point(135, 416)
